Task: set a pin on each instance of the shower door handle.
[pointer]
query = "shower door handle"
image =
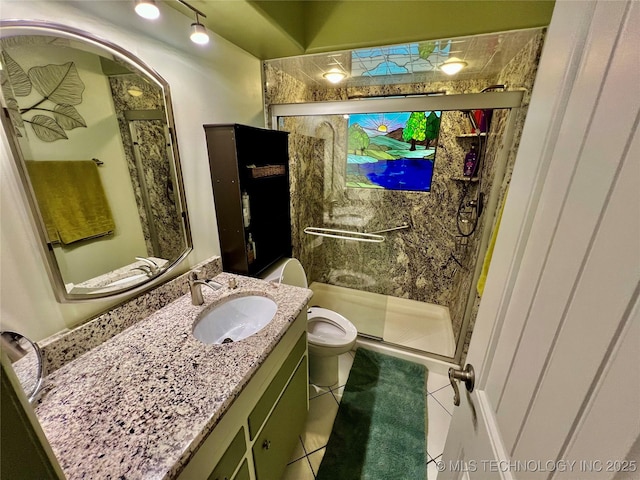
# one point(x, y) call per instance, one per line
point(468, 376)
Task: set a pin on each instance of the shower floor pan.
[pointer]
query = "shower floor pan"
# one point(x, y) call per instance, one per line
point(408, 323)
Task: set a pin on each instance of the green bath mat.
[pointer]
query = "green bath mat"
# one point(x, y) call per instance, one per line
point(379, 431)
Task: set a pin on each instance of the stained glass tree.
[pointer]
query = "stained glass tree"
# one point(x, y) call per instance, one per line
point(432, 126)
point(358, 139)
point(414, 130)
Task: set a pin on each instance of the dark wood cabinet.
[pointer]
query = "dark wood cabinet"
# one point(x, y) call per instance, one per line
point(250, 167)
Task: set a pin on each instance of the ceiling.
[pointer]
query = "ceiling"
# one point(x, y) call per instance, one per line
point(285, 28)
point(417, 62)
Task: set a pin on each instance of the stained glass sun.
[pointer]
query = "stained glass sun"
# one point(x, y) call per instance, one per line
point(379, 123)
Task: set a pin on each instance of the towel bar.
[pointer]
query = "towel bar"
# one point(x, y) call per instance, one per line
point(344, 234)
point(392, 229)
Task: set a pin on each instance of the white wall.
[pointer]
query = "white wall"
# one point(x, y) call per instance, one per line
point(219, 83)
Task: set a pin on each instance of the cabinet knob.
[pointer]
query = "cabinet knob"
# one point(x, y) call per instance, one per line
point(266, 444)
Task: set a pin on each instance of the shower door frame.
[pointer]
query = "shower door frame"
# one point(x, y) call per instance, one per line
point(511, 100)
point(463, 101)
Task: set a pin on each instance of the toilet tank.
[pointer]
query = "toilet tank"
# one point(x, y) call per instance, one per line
point(288, 271)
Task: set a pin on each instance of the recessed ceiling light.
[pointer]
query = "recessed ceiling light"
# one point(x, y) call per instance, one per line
point(147, 9)
point(335, 75)
point(453, 66)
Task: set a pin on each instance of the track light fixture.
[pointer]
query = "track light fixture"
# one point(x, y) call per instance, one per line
point(147, 9)
point(199, 34)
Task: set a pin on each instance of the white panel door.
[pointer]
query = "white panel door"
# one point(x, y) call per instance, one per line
point(556, 345)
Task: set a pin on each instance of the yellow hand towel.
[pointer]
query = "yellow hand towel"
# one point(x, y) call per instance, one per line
point(71, 199)
point(487, 257)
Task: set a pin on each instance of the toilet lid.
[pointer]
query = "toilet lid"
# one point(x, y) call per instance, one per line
point(288, 271)
point(328, 328)
point(293, 274)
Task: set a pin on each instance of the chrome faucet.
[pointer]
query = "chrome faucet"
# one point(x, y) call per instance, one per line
point(153, 266)
point(195, 286)
point(144, 268)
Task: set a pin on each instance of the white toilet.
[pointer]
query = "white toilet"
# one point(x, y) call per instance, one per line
point(329, 334)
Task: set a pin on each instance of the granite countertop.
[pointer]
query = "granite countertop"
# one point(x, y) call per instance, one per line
point(140, 404)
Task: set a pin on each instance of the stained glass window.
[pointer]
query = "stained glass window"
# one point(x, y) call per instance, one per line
point(394, 151)
point(399, 59)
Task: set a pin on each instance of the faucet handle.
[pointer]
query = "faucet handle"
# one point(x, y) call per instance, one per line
point(193, 276)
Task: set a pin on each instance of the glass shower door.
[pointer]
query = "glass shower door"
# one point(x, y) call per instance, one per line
point(345, 282)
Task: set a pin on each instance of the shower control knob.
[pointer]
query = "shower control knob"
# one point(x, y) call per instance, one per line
point(468, 376)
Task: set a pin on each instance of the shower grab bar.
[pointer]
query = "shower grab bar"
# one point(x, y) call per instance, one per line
point(342, 234)
point(392, 229)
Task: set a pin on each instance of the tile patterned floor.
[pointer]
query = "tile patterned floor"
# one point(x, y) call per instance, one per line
point(323, 406)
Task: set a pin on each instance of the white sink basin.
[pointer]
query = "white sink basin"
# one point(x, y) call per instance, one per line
point(234, 319)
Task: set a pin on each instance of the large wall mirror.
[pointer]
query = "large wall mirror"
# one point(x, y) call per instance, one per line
point(93, 137)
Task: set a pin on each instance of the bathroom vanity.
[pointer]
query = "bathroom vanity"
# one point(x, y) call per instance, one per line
point(155, 402)
point(261, 428)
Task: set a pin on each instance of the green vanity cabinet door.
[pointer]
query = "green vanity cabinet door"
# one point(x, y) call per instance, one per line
point(273, 447)
point(231, 458)
point(243, 473)
point(259, 413)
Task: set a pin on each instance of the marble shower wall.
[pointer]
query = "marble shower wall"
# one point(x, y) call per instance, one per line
point(470, 253)
point(425, 262)
point(412, 263)
point(162, 232)
point(417, 263)
point(306, 182)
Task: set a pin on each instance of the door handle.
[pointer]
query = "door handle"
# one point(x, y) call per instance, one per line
point(468, 376)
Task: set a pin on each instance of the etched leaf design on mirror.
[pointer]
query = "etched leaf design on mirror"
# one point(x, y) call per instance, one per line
point(12, 104)
point(20, 83)
point(14, 113)
point(58, 83)
point(46, 128)
point(68, 117)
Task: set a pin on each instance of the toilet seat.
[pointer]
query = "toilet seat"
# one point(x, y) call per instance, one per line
point(329, 334)
point(327, 328)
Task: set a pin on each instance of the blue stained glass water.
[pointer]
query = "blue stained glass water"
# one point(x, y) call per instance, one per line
point(401, 174)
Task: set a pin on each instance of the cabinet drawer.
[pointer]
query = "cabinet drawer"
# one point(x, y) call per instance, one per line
point(243, 473)
point(231, 458)
point(269, 397)
point(273, 447)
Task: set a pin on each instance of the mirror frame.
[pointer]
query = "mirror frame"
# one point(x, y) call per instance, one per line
point(55, 275)
point(31, 395)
